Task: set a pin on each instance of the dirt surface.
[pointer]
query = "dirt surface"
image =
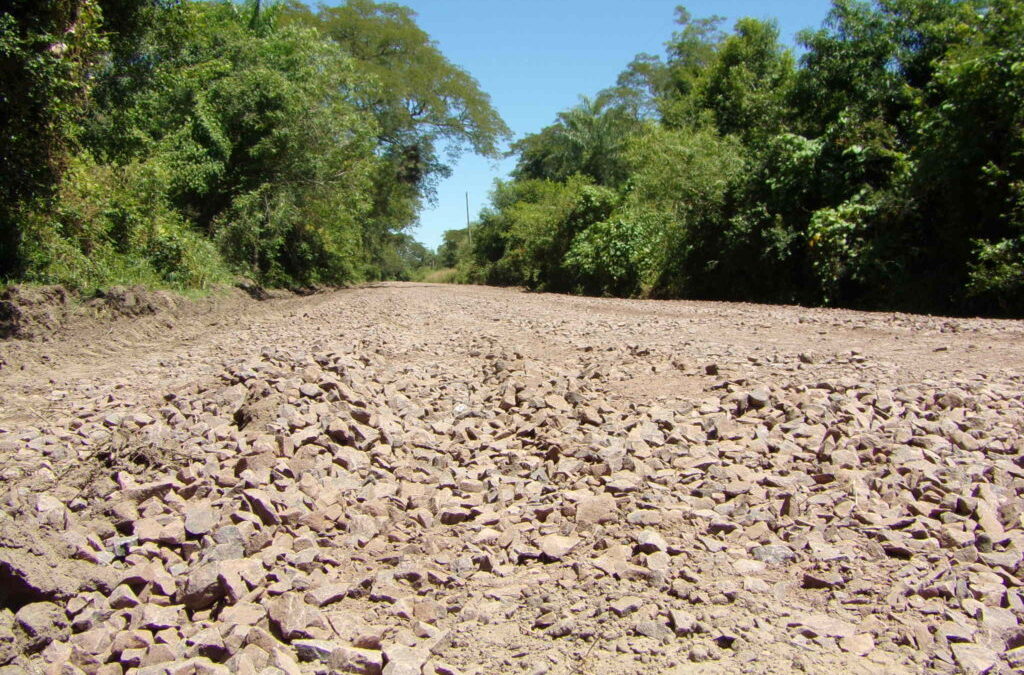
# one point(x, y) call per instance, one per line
point(408, 478)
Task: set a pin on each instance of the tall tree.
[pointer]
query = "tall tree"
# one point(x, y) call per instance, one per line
point(748, 82)
point(46, 52)
point(690, 52)
point(970, 156)
point(428, 110)
point(588, 139)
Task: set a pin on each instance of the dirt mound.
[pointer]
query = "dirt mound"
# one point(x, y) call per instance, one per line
point(32, 311)
point(253, 290)
point(118, 301)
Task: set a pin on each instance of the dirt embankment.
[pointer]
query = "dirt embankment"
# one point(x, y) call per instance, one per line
point(39, 312)
point(410, 478)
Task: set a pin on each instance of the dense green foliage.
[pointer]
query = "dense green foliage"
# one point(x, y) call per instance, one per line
point(883, 168)
point(175, 143)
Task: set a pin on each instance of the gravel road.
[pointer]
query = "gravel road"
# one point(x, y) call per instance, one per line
point(413, 478)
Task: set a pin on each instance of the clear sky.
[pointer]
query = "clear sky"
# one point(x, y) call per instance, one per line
point(536, 57)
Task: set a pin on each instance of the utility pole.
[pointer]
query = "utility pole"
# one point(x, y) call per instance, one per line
point(469, 230)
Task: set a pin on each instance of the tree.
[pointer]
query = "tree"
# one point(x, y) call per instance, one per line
point(141, 136)
point(748, 82)
point(269, 152)
point(872, 60)
point(423, 104)
point(533, 224)
point(449, 252)
point(46, 52)
point(885, 170)
point(971, 157)
point(920, 173)
point(681, 185)
point(690, 52)
point(240, 131)
point(404, 256)
point(588, 139)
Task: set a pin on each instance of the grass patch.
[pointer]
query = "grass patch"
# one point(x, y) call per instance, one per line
point(447, 275)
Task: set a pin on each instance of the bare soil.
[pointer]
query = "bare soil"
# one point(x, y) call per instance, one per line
point(415, 478)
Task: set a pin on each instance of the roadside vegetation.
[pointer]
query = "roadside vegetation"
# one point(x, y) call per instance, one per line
point(176, 143)
point(182, 144)
point(880, 166)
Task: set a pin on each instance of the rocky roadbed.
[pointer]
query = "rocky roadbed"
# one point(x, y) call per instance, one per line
point(424, 479)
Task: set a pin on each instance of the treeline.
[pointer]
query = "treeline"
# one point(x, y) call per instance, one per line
point(882, 168)
point(175, 143)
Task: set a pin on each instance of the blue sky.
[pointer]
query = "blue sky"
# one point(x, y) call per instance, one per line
point(536, 57)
